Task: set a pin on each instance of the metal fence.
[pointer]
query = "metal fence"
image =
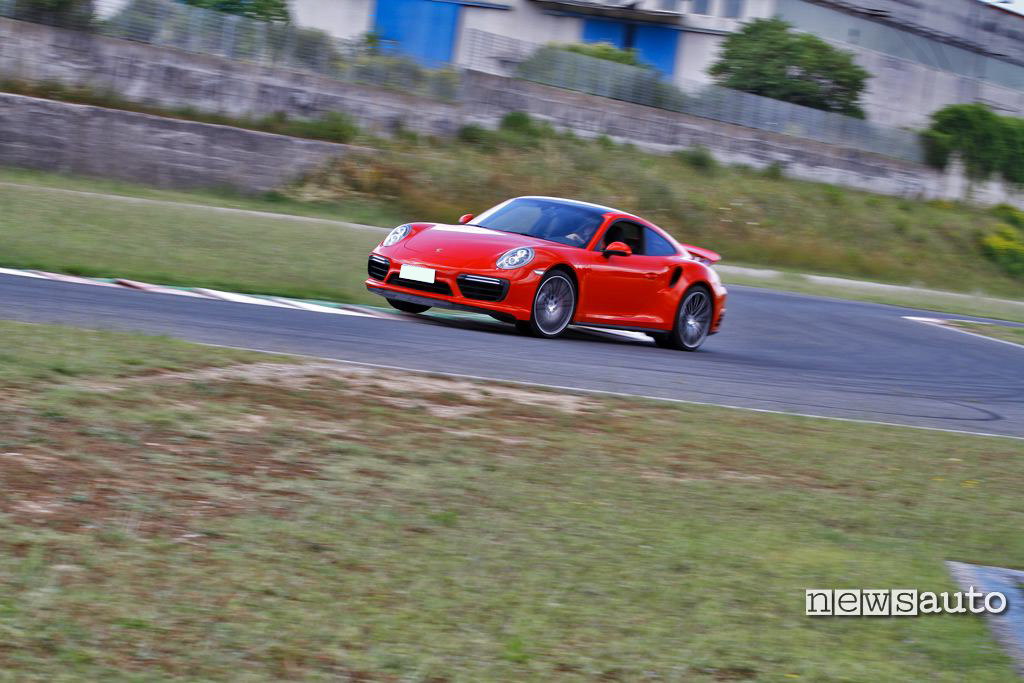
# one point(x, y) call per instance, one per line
point(550, 65)
point(167, 23)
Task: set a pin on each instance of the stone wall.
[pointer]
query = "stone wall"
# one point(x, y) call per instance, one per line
point(174, 78)
point(71, 138)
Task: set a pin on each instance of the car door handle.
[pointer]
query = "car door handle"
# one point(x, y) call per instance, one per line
point(650, 276)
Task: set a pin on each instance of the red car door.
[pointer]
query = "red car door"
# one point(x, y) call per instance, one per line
point(623, 290)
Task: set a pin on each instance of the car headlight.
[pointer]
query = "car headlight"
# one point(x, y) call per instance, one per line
point(515, 258)
point(395, 236)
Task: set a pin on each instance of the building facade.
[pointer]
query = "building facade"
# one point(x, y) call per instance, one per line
point(922, 54)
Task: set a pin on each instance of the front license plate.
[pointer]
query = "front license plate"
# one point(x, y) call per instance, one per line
point(417, 273)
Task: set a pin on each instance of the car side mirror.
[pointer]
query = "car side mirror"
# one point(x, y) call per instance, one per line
point(466, 218)
point(617, 249)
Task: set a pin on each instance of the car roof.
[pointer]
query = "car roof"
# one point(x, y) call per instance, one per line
point(604, 209)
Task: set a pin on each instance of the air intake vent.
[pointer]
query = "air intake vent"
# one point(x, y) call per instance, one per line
point(482, 288)
point(377, 267)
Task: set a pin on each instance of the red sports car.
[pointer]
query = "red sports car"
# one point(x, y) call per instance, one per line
point(545, 263)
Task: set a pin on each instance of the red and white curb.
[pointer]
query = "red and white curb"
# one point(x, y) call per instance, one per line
point(203, 293)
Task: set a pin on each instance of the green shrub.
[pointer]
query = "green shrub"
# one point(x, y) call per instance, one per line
point(574, 70)
point(774, 171)
point(475, 134)
point(699, 158)
point(1009, 214)
point(605, 51)
point(1005, 246)
point(518, 121)
point(73, 14)
point(988, 143)
point(332, 127)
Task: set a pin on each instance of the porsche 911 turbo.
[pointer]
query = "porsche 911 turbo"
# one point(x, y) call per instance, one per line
point(544, 263)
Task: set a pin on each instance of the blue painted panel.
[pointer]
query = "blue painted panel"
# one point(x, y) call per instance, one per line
point(603, 31)
point(422, 29)
point(656, 45)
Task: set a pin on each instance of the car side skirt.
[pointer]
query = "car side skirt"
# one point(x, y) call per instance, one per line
point(627, 328)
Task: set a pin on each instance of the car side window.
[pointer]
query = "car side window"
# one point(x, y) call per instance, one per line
point(656, 245)
point(630, 233)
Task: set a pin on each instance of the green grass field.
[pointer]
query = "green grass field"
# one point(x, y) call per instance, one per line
point(280, 520)
point(183, 245)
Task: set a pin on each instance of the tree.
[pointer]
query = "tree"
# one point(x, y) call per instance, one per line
point(986, 142)
point(265, 10)
point(768, 59)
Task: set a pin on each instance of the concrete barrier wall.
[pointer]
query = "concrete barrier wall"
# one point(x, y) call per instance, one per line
point(174, 78)
point(71, 138)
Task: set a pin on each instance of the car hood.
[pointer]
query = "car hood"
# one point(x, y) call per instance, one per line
point(465, 245)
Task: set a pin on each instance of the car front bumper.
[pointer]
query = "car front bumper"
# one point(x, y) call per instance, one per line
point(455, 288)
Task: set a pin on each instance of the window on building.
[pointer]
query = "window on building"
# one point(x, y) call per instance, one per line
point(701, 7)
point(669, 5)
point(733, 9)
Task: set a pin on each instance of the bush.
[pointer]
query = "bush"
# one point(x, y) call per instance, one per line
point(1005, 246)
point(138, 20)
point(1009, 214)
point(561, 68)
point(332, 127)
point(605, 51)
point(774, 171)
point(699, 158)
point(988, 144)
point(475, 134)
point(401, 73)
point(973, 131)
point(518, 121)
point(73, 14)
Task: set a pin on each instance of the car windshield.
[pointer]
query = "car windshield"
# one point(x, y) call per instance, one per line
point(547, 219)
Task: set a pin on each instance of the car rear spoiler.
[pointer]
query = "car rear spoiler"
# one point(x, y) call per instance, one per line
point(703, 255)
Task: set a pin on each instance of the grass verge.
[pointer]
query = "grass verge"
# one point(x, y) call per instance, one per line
point(1006, 333)
point(182, 245)
point(872, 292)
point(267, 520)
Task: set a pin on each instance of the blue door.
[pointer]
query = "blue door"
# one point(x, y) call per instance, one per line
point(654, 45)
point(422, 29)
point(604, 31)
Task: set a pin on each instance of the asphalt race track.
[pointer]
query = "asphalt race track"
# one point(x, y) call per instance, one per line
point(778, 351)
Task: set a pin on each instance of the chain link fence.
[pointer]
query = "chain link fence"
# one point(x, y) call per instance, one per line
point(167, 23)
point(561, 68)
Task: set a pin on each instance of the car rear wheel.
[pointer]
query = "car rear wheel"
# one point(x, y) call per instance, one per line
point(408, 306)
point(553, 306)
point(693, 321)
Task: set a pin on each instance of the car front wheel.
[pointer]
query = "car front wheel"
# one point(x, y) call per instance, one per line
point(553, 306)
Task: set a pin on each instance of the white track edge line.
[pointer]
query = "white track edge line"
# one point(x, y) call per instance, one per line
point(941, 323)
